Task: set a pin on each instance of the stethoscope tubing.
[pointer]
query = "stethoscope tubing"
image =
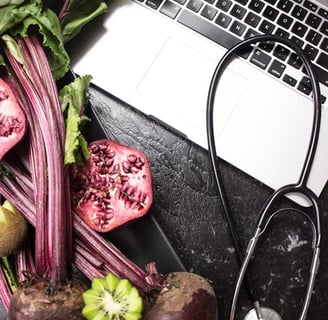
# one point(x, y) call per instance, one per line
point(299, 187)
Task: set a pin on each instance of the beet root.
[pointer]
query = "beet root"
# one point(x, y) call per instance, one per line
point(38, 301)
point(185, 296)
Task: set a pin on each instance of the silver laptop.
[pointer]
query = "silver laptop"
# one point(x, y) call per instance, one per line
point(159, 56)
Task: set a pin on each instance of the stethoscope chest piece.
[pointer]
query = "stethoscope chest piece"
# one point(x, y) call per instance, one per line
point(267, 314)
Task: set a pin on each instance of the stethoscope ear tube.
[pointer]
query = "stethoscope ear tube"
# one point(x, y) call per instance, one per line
point(299, 187)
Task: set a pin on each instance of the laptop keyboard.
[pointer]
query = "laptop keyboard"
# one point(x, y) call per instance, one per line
point(227, 22)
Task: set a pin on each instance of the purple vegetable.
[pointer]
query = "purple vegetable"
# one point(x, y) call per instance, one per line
point(184, 296)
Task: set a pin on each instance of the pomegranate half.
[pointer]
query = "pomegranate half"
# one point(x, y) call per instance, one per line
point(12, 119)
point(113, 187)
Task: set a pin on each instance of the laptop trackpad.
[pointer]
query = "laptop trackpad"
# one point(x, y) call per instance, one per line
point(252, 116)
point(177, 82)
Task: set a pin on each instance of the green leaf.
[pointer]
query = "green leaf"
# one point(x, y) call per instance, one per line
point(49, 27)
point(78, 14)
point(73, 99)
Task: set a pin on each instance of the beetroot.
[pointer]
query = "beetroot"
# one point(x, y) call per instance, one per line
point(185, 296)
point(42, 301)
point(113, 187)
point(12, 119)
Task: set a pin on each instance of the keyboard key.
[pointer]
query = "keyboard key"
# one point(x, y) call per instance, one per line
point(154, 4)
point(242, 1)
point(314, 37)
point(194, 5)
point(270, 13)
point(252, 19)
point(224, 4)
point(310, 5)
point(223, 20)
point(295, 61)
point(266, 27)
point(260, 59)
point(251, 33)
point(310, 51)
point(271, 1)
point(276, 68)
point(210, 1)
point(324, 44)
point(181, 1)
point(297, 41)
point(285, 21)
point(282, 33)
point(289, 80)
point(266, 46)
point(238, 11)
point(209, 12)
point(299, 13)
point(207, 29)
point(256, 5)
point(323, 13)
point(170, 9)
point(281, 52)
point(321, 74)
point(304, 88)
point(285, 5)
point(323, 60)
point(313, 21)
point(237, 28)
point(299, 29)
point(324, 28)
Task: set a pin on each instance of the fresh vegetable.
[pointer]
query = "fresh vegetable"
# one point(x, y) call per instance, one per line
point(32, 72)
point(12, 119)
point(36, 301)
point(113, 187)
point(185, 296)
point(112, 298)
point(36, 175)
point(53, 230)
point(13, 229)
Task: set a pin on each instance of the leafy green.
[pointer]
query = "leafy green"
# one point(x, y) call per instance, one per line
point(18, 16)
point(77, 14)
point(73, 99)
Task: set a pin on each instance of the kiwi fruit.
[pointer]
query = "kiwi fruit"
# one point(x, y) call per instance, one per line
point(13, 229)
point(112, 298)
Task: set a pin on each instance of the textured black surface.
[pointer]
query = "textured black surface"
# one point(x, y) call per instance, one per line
point(188, 209)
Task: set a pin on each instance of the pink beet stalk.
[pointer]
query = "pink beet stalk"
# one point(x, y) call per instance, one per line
point(46, 125)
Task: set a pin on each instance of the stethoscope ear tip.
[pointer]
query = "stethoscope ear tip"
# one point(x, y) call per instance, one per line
point(267, 314)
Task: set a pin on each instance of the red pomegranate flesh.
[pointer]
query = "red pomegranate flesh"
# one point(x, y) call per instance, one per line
point(12, 119)
point(113, 187)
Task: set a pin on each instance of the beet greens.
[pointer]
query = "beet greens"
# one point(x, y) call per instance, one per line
point(35, 174)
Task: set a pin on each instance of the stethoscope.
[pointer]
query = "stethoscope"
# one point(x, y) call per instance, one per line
point(265, 216)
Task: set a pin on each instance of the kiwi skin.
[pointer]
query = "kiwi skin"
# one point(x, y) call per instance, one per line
point(13, 229)
point(185, 296)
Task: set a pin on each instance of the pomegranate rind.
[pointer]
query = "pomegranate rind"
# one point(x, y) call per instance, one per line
point(113, 187)
point(12, 119)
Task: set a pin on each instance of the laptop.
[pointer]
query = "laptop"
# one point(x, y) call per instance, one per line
point(159, 57)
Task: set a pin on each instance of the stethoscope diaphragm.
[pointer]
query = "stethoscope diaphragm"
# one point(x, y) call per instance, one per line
point(267, 314)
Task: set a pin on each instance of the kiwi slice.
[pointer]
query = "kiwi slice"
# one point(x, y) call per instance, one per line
point(112, 298)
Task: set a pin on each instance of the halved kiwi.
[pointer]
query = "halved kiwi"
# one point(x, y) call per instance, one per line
point(112, 298)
